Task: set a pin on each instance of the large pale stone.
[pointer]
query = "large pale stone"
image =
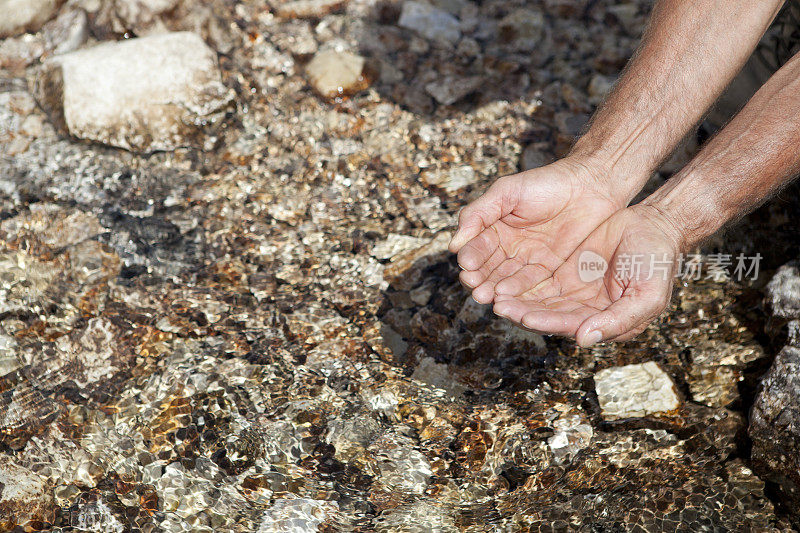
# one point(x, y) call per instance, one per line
point(17, 16)
point(635, 391)
point(146, 94)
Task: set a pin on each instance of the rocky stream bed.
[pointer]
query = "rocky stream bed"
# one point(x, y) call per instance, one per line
point(226, 302)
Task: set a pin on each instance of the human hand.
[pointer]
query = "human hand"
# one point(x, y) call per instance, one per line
point(526, 225)
point(640, 247)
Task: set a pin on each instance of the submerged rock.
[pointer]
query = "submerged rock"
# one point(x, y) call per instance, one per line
point(335, 73)
point(775, 424)
point(635, 391)
point(146, 94)
point(429, 21)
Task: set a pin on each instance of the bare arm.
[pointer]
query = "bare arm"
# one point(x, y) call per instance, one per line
point(753, 156)
point(690, 53)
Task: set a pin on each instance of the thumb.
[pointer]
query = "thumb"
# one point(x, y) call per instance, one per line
point(498, 201)
point(619, 318)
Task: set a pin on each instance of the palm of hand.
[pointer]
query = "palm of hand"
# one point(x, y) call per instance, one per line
point(553, 213)
point(639, 253)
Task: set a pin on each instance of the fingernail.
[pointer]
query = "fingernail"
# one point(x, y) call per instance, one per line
point(593, 337)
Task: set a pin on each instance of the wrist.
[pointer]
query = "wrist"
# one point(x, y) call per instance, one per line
point(690, 207)
point(603, 173)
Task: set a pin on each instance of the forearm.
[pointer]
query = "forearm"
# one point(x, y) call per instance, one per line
point(751, 158)
point(689, 54)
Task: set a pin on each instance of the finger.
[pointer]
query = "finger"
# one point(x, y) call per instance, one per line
point(522, 280)
point(620, 318)
point(632, 334)
point(512, 309)
point(485, 292)
point(495, 203)
point(555, 322)
point(476, 252)
point(474, 278)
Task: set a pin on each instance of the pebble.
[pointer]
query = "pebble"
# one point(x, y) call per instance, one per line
point(25, 15)
point(145, 94)
point(396, 244)
point(522, 29)
point(451, 180)
point(142, 12)
point(450, 89)
point(534, 157)
point(599, 87)
point(335, 73)
point(308, 8)
point(439, 376)
point(636, 390)
point(430, 22)
point(571, 434)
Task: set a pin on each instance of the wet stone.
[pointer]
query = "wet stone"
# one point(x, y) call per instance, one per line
point(145, 94)
point(635, 391)
point(775, 424)
point(335, 73)
point(429, 21)
point(25, 15)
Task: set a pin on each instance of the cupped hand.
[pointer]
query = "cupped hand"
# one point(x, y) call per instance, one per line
point(611, 287)
point(526, 225)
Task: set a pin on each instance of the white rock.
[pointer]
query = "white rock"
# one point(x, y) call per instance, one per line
point(451, 180)
point(333, 73)
point(396, 244)
point(17, 16)
point(635, 391)
point(146, 94)
point(137, 12)
point(429, 21)
point(570, 435)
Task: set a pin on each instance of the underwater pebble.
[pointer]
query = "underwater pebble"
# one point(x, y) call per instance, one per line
point(635, 391)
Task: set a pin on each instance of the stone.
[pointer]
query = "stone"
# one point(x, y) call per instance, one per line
point(599, 87)
point(775, 425)
point(783, 292)
point(308, 8)
point(136, 13)
point(335, 73)
point(522, 29)
point(634, 391)
point(571, 434)
point(451, 180)
point(533, 157)
point(438, 375)
point(146, 94)
point(783, 300)
point(396, 244)
point(25, 15)
point(429, 21)
point(67, 32)
point(404, 271)
point(451, 89)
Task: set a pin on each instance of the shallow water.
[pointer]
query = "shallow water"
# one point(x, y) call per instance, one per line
point(236, 340)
